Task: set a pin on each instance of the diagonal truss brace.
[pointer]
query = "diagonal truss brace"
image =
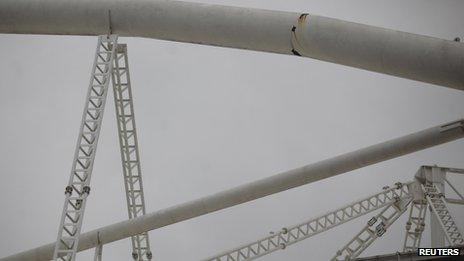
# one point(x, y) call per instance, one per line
point(375, 228)
point(440, 209)
point(78, 187)
point(294, 234)
point(128, 144)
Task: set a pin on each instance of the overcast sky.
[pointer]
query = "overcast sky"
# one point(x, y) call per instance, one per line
point(212, 118)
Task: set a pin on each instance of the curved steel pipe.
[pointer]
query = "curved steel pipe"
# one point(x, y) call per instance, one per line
point(406, 55)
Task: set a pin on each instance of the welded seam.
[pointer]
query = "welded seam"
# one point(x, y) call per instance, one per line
point(297, 47)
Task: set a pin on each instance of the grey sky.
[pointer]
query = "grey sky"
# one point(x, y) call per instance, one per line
point(211, 118)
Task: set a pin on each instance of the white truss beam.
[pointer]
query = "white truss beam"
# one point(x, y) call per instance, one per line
point(78, 187)
point(128, 143)
point(297, 233)
point(415, 225)
point(439, 208)
point(375, 228)
point(261, 188)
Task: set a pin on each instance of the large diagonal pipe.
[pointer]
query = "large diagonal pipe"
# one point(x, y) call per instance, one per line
point(260, 188)
point(371, 48)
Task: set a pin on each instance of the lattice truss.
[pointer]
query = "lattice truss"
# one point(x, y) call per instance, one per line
point(393, 202)
point(440, 209)
point(129, 149)
point(110, 63)
point(415, 225)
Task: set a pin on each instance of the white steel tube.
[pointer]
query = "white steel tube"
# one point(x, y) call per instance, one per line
point(260, 188)
point(406, 55)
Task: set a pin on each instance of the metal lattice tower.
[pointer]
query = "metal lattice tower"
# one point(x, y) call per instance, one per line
point(79, 182)
point(439, 208)
point(129, 149)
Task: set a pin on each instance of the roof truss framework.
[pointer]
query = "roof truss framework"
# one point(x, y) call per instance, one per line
point(287, 33)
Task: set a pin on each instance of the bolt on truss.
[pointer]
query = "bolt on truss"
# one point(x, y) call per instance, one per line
point(129, 149)
point(415, 225)
point(375, 228)
point(79, 182)
point(439, 208)
point(294, 234)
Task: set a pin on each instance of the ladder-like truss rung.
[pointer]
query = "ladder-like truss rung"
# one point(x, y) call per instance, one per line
point(69, 224)
point(74, 198)
point(440, 209)
point(66, 251)
point(92, 120)
point(129, 153)
point(73, 212)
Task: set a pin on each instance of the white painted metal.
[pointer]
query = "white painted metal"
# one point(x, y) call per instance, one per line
point(371, 48)
point(261, 188)
point(454, 201)
point(305, 230)
point(128, 144)
point(439, 208)
point(454, 170)
point(454, 189)
point(415, 225)
point(78, 187)
point(375, 228)
point(436, 176)
point(98, 253)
